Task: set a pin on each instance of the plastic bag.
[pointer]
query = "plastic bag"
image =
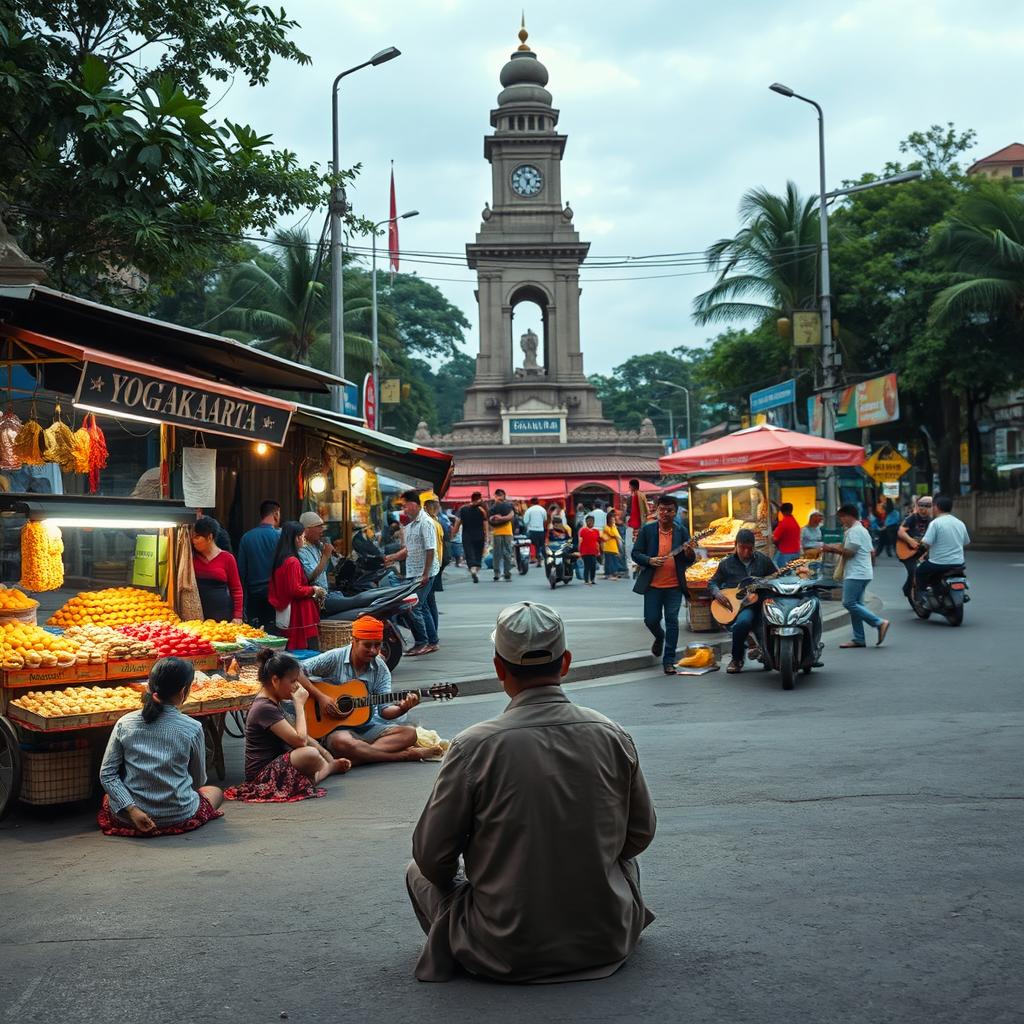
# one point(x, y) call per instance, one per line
point(10, 424)
point(60, 444)
point(26, 444)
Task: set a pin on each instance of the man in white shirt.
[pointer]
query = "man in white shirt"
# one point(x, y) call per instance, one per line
point(600, 516)
point(535, 519)
point(422, 564)
point(857, 550)
point(945, 540)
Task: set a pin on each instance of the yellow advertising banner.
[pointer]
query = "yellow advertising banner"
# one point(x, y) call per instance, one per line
point(391, 391)
point(886, 464)
point(877, 401)
point(806, 330)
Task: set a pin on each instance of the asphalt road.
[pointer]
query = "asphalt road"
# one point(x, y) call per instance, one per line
point(850, 851)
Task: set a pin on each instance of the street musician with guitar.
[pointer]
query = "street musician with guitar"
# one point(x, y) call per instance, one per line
point(743, 563)
point(908, 540)
point(385, 735)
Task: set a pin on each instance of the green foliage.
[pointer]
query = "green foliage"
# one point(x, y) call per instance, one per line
point(112, 166)
point(427, 322)
point(738, 362)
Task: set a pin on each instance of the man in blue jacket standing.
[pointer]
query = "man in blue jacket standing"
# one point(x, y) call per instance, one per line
point(662, 550)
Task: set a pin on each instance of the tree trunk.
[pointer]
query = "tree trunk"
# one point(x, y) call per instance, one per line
point(949, 443)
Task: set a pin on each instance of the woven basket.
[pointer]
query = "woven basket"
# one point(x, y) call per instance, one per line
point(699, 614)
point(334, 634)
point(56, 777)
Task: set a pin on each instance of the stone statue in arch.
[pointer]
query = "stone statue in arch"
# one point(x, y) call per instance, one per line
point(528, 343)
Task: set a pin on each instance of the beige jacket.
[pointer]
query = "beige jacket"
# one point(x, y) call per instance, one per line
point(545, 804)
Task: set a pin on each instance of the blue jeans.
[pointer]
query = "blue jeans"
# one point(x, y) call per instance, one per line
point(424, 631)
point(747, 620)
point(853, 596)
point(659, 602)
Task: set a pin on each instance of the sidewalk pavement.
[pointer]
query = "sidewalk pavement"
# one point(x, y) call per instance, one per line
point(604, 626)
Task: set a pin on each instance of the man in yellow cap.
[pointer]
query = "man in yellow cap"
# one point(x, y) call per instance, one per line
point(387, 736)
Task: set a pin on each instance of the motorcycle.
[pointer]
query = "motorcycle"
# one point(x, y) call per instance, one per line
point(521, 545)
point(559, 561)
point(790, 631)
point(387, 605)
point(946, 595)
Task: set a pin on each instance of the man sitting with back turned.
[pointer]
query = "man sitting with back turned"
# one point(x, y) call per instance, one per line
point(547, 807)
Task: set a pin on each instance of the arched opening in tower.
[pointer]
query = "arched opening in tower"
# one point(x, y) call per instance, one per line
point(529, 332)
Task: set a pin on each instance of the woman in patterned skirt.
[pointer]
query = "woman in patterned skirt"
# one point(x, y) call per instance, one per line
point(154, 768)
point(282, 763)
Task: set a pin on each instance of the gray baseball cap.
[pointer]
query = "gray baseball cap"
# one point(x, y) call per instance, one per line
point(529, 634)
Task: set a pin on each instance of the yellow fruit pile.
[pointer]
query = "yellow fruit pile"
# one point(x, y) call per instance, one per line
point(14, 600)
point(703, 657)
point(42, 561)
point(221, 632)
point(79, 700)
point(23, 646)
point(97, 644)
point(116, 606)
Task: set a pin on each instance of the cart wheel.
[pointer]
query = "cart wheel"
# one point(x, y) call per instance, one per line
point(10, 767)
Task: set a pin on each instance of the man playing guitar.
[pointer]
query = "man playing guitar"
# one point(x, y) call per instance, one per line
point(732, 571)
point(383, 738)
point(908, 539)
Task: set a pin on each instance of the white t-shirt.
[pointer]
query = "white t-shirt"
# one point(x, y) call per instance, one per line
point(600, 518)
point(535, 519)
point(858, 567)
point(946, 537)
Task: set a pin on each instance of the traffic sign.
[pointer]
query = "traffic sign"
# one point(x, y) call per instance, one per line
point(369, 402)
point(886, 464)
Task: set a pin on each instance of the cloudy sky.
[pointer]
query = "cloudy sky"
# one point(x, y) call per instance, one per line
point(667, 111)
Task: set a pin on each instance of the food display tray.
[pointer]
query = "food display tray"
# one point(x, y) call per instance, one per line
point(40, 723)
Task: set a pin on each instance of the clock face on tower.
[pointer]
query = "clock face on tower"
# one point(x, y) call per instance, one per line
point(527, 180)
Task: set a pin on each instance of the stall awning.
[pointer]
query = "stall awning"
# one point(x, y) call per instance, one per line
point(383, 451)
point(762, 448)
point(208, 356)
point(116, 386)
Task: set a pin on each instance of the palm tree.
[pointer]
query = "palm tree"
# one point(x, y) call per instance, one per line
point(770, 267)
point(983, 242)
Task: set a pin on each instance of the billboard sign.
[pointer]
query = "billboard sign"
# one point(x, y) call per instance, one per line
point(867, 404)
point(773, 397)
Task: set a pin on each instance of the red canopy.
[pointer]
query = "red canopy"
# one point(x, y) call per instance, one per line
point(762, 448)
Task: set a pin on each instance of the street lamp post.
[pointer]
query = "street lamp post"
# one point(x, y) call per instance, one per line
point(373, 278)
point(679, 387)
point(336, 208)
point(830, 359)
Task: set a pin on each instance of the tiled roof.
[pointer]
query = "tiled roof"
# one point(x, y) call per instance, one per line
point(1012, 154)
point(580, 465)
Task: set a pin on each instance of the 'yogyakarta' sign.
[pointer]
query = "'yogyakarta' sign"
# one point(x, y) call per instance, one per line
point(109, 389)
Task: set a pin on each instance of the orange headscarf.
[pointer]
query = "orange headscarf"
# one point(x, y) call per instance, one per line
point(366, 627)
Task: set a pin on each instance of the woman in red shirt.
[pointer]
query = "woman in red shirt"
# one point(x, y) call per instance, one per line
point(590, 549)
point(786, 536)
point(294, 600)
point(220, 589)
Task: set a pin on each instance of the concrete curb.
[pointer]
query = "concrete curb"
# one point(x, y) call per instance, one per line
point(632, 661)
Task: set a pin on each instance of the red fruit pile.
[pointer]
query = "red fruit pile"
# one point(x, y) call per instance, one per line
point(168, 640)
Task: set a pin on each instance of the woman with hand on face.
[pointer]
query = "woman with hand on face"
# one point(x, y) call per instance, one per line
point(282, 764)
point(154, 768)
point(296, 602)
point(220, 587)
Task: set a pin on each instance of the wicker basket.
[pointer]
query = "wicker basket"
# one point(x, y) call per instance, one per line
point(699, 613)
point(56, 776)
point(334, 634)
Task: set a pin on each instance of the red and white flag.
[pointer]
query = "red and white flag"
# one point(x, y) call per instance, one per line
point(393, 226)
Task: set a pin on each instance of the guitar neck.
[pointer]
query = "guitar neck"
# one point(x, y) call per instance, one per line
point(376, 699)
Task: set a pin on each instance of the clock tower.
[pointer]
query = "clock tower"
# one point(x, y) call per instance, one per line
point(527, 250)
point(531, 419)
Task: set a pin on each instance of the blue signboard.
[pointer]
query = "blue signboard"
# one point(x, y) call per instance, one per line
point(350, 400)
point(773, 397)
point(535, 425)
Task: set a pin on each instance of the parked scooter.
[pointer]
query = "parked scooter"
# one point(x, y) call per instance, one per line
point(387, 605)
point(521, 544)
point(790, 633)
point(559, 560)
point(946, 595)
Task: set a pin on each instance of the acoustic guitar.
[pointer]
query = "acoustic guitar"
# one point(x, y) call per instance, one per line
point(354, 704)
point(905, 550)
point(745, 595)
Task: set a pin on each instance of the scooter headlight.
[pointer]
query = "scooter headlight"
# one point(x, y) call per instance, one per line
point(774, 614)
point(801, 613)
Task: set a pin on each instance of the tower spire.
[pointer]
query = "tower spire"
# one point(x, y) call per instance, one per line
point(523, 34)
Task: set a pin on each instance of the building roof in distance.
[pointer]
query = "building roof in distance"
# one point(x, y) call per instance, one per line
point(1011, 154)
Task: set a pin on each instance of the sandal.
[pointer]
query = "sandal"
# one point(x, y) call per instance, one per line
point(670, 670)
point(851, 643)
point(734, 666)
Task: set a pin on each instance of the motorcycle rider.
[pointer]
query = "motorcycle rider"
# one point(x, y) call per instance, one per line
point(910, 531)
point(944, 541)
point(744, 562)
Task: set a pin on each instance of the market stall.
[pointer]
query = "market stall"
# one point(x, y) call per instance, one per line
point(731, 489)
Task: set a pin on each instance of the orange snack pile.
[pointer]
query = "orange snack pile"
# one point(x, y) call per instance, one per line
point(80, 700)
point(116, 606)
point(24, 646)
point(14, 600)
point(42, 557)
